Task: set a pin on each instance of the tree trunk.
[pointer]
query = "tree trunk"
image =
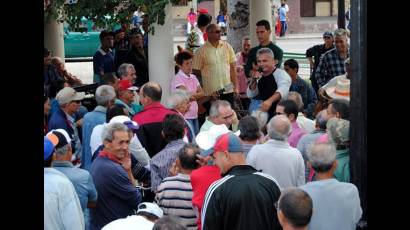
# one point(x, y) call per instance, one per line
point(54, 38)
point(238, 22)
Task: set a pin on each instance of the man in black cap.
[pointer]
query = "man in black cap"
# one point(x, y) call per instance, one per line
point(316, 52)
point(103, 59)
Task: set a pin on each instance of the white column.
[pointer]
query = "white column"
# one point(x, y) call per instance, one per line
point(54, 38)
point(217, 7)
point(161, 54)
point(195, 5)
point(238, 22)
point(260, 9)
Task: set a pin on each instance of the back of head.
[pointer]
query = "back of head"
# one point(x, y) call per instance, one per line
point(152, 90)
point(168, 223)
point(104, 94)
point(297, 98)
point(204, 20)
point(173, 127)
point(338, 130)
point(187, 156)
point(321, 119)
point(261, 116)
point(264, 23)
point(214, 110)
point(249, 128)
point(290, 107)
point(321, 156)
point(279, 128)
point(108, 78)
point(176, 98)
point(341, 106)
point(115, 110)
point(296, 206)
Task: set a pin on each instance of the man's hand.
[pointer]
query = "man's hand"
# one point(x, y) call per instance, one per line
point(174, 170)
point(265, 106)
point(126, 162)
point(202, 160)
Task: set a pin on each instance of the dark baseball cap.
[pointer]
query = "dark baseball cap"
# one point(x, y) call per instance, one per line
point(327, 34)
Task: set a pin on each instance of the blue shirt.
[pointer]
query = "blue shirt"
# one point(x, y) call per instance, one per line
point(282, 14)
point(220, 18)
point(103, 61)
point(81, 179)
point(336, 205)
point(117, 196)
point(62, 209)
point(90, 120)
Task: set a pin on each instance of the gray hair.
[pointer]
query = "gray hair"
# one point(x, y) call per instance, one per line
point(214, 110)
point(124, 68)
point(104, 94)
point(297, 98)
point(321, 156)
point(341, 33)
point(109, 130)
point(321, 119)
point(265, 51)
point(261, 117)
point(279, 128)
point(63, 150)
point(176, 98)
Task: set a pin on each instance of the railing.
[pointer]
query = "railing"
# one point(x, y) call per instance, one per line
point(304, 67)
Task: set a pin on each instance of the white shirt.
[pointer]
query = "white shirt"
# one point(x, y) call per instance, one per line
point(130, 223)
point(305, 123)
point(279, 160)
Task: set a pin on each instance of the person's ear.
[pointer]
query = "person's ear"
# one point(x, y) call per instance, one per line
point(281, 218)
point(334, 165)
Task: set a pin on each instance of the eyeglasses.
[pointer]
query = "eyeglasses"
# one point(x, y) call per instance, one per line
point(217, 32)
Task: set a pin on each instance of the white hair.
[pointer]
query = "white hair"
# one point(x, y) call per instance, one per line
point(104, 94)
point(279, 128)
point(109, 130)
point(124, 68)
point(176, 98)
point(322, 155)
point(265, 51)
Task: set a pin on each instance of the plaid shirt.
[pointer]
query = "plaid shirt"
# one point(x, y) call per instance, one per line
point(330, 66)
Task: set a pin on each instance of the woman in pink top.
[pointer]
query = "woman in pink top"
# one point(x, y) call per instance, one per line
point(185, 80)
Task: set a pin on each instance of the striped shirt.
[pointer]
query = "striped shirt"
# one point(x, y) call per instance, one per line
point(214, 64)
point(330, 66)
point(174, 198)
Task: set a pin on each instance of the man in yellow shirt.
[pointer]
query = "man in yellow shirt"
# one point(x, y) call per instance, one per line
point(216, 62)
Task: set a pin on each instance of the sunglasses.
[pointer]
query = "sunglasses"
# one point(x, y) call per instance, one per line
point(217, 32)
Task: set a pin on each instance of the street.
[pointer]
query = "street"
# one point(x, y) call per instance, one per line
point(84, 70)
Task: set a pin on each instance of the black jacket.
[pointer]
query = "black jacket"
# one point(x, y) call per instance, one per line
point(243, 199)
point(140, 64)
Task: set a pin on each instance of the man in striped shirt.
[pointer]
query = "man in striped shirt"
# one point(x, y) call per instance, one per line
point(175, 193)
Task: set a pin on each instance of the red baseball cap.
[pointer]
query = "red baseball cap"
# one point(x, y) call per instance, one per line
point(126, 85)
point(203, 11)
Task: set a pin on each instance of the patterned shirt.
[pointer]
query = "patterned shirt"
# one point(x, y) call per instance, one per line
point(195, 40)
point(331, 65)
point(162, 162)
point(214, 64)
point(174, 197)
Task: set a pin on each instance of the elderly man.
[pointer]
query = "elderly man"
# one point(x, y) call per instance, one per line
point(338, 131)
point(160, 165)
point(62, 71)
point(127, 72)
point(216, 61)
point(103, 59)
point(69, 101)
point(329, 195)
point(175, 192)
point(221, 113)
point(138, 57)
point(276, 157)
point(263, 32)
point(242, 192)
point(316, 52)
point(304, 123)
point(81, 179)
point(295, 209)
point(270, 85)
point(299, 85)
point(290, 109)
point(113, 178)
point(62, 209)
point(151, 117)
point(126, 96)
point(105, 96)
point(332, 62)
point(310, 138)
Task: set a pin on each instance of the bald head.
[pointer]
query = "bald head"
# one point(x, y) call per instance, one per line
point(152, 90)
point(279, 128)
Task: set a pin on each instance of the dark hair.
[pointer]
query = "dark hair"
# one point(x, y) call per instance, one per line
point(152, 91)
point(182, 56)
point(187, 156)
point(106, 33)
point(113, 111)
point(290, 107)
point(341, 106)
point(108, 78)
point(168, 223)
point(173, 127)
point(46, 52)
point(292, 63)
point(249, 128)
point(204, 20)
point(296, 205)
point(264, 23)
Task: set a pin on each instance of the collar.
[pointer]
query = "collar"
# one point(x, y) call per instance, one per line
point(101, 109)
point(239, 170)
point(180, 72)
point(269, 44)
point(277, 142)
point(103, 52)
point(210, 44)
point(66, 164)
point(109, 155)
point(153, 105)
point(176, 142)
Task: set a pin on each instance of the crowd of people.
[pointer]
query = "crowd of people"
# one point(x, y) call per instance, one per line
point(133, 162)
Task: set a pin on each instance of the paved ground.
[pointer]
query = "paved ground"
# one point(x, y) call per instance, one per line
point(294, 43)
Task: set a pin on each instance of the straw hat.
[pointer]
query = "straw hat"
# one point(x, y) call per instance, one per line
point(340, 91)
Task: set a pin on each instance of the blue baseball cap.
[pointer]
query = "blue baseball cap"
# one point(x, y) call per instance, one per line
point(48, 148)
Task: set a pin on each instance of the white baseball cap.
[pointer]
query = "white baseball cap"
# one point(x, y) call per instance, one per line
point(151, 208)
